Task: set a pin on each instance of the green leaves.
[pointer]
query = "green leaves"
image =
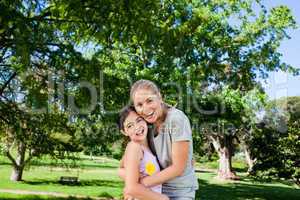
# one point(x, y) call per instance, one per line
point(180, 45)
point(280, 141)
point(281, 18)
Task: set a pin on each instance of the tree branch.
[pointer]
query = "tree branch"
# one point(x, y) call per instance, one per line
point(1, 117)
point(9, 156)
point(30, 156)
point(7, 82)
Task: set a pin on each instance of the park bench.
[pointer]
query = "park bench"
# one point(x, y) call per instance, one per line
point(69, 180)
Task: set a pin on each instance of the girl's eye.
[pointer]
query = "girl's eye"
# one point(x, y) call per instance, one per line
point(129, 126)
point(139, 119)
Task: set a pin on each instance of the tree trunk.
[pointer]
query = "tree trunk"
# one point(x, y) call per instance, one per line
point(297, 181)
point(17, 173)
point(18, 165)
point(91, 155)
point(224, 148)
point(250, 161)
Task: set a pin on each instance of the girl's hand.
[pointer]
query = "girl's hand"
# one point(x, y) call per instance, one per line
point(126, 196)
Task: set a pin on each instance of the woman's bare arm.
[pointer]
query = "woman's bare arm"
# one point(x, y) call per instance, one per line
point(180, 152)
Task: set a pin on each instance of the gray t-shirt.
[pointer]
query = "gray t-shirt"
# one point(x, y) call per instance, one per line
point(176, 127)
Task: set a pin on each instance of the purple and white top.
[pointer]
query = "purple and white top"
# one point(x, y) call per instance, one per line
point(149, 166)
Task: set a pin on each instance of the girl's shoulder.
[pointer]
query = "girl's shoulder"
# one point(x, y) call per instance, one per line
point(133, 145)
point(134, 149)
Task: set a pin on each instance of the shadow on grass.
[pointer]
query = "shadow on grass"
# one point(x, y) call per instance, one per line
point(260, 180)
point(240, 169)
point(100, 183)
point(75, 167)
point(203, 171)
point(33, 197)
point(238, 191)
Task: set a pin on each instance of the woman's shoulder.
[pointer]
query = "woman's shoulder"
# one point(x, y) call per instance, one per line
point(175, 114)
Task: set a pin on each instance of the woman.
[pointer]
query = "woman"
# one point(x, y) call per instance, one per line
point(172, 140)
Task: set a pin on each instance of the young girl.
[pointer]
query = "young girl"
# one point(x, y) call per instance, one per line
point(138, 158)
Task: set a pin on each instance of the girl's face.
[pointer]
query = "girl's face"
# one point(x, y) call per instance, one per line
point(135, 127)
point(148, 105)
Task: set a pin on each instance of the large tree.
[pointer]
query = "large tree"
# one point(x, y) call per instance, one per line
point(45, 76)
point(180, 45)
point(33, 119)
point(185, 46)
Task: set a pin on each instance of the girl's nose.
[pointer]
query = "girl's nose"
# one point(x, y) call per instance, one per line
point(137, 128)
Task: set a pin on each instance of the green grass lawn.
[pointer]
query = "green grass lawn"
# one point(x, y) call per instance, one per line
point(98, 178)
point(246, 188)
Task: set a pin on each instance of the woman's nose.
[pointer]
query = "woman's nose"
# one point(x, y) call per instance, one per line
point(143, 109)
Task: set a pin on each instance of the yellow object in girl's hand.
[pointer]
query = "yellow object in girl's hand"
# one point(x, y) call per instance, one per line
point(150, 168)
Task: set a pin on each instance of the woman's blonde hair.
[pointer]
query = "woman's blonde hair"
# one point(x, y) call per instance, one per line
point(144, 84)
point(149, 85)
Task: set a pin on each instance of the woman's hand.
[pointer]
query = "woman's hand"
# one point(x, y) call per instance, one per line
point(145, 181)
point(180, 152)
point(165, 197)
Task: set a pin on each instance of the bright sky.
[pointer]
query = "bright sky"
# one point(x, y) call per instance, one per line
point(281, 84)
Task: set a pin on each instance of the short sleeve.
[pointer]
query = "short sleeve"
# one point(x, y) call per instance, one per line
point(178, 126)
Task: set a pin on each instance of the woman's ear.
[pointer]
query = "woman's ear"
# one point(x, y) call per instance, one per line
point(159, 96)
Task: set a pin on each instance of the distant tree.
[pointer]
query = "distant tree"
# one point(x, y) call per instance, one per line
point(32, 135)
point(230, 124)
point(277, 144)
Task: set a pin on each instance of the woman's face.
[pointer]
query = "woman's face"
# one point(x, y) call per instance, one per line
point(135, 127)
point(148, 105)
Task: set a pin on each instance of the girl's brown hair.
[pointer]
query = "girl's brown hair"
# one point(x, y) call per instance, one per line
point(124, 114)
point(122, 117)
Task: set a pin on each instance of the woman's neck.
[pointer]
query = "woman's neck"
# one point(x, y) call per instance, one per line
point(162, 118)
